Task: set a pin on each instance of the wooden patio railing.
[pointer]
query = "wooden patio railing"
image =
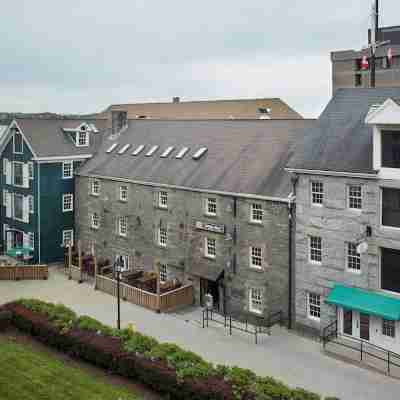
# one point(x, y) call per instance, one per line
point(24, 272)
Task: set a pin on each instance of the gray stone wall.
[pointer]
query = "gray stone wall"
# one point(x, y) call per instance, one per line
point(184, 254)
point(337, 225)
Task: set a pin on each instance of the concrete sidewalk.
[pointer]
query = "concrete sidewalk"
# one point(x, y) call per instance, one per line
point(295, 360)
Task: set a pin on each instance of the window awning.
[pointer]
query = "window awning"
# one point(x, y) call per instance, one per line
point(366, 302)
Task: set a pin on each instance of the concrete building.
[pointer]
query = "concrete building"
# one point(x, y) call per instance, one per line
point(347, 218)
point(208, 200)
point(38, 159)
point(347, 71)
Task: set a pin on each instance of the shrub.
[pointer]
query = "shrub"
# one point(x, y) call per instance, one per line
point(138, 343)
point(5, 319)
point(87, 323)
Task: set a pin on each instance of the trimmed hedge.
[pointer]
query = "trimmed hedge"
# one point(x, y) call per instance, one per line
point(164, 367)
point(5, 320)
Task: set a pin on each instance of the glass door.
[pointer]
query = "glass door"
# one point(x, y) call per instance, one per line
point(364, 326)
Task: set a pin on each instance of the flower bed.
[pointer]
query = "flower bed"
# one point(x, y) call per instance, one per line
point(164, 367)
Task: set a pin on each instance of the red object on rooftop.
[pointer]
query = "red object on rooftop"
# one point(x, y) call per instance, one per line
point(364, 63)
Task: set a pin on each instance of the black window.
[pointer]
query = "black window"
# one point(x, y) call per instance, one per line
point(391, 149)
point(358, 80)
point(390, 268)
point(391, 207)
point(17, 142)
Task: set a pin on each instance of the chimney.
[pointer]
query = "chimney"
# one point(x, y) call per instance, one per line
point(176, 99)
point(119, 120)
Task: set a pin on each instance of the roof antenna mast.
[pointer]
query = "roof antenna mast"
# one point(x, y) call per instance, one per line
point(374, 39)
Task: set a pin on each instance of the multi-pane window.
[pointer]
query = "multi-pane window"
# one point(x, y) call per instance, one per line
point(256, 257)
point(18, 142)
point(211, 206)
point(18, 173)
point(31, 240)
point(122, 226)
point(388, 328)
point(256, 300)
point(30, 204)
point(123, 193)
point(68, 237)
point(391, 207)
point(83, 137)
point(95, 220)
point(19, 206)
point(163, 199)
point(162, 237)
point(355, 197)
point(257, 212)
point(317, 193)
point(390, 149)
point(315, 249)
point(210, 247)
point(67, 169)
point(30, 170)
point(314, 305)
point(95, 187)
point(353, 258)
point(163, 273)
point(68, 202)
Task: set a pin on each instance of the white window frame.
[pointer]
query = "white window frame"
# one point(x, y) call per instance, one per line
point(14, 163)
point(209, 244)
point(353, 198)
point(162, 237)
point(123, 226)
point(85, 132)
point(314, 185)
point(22, 142)
point(65, 233)
point(93, 184)
point(163, 273)
point(30, 170)
point(314, 306)
point(353, 258)
point(256, 300)
point(312, 250)
point(388, 331)
point(123, 189)
point(65, 198)
point(256, 213)
point(95, 222)
point(22, 206)
point(211, 206)
point(70, 165)
point(163, 199)
point(31, 204)
point(256, 257)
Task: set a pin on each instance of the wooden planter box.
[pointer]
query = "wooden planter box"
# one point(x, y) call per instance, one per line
point(24, 272)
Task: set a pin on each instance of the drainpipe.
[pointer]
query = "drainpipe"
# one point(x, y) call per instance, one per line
point(292, 206)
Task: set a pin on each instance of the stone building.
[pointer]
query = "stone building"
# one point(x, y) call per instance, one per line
point(347, 218)
point(207, 200)
point(347, 70)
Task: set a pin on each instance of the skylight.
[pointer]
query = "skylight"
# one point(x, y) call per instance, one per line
point(112, 147)
point(152, 151)
point(182, 152)
point(124, 148)
point(138, 150)
point(199, 153)
point(167, 152)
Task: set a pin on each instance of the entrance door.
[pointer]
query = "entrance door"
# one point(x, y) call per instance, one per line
point(211, 287)
point(348, 322)
point(364, 326)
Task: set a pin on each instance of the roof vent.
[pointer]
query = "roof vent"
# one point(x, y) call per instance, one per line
point(263, 110)
point(199, 153)
point(167, 151)
point(112, 147)
point(138, 150)
point(176, 99)
point(152, 151)
point(124, 149)
point(182, 152)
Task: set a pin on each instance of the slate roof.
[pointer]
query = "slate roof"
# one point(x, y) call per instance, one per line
point(208, 109)
point(47, 138)
point(340, 140)
point(243, 156)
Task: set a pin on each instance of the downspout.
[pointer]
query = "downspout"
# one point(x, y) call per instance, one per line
point(38, 222)
point(292, 209)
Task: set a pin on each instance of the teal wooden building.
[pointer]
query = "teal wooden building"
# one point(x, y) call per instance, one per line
point(38, 161)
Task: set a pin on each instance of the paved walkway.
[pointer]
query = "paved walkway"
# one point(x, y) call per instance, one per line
point(283, 355)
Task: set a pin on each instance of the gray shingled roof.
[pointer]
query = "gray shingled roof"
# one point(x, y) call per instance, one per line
point(243, 156)
point(47, 138)
point(340, 140)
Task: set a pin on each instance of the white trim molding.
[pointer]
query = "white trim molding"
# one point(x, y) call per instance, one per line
point(333, 173)
point(62, 158)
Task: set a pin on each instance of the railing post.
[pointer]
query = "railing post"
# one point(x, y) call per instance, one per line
point(230, 325)
point(388, 362)
point(203, 318)
point(80, 261)
point(95, 272)
point(361, 350)
point(69, 261)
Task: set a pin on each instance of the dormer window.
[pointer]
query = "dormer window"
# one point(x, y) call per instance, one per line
point(82, 137)
point(391, 149)
point(18, 142)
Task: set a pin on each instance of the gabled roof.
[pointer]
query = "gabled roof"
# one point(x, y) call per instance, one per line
point(209, 109)
point(386, 113)
point(245, 157)
point(341, 141)
point(48, 139)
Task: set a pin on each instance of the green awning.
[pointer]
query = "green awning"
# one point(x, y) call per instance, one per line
point(366, 302)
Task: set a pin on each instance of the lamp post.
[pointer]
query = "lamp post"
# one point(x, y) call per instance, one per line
point(117, 268)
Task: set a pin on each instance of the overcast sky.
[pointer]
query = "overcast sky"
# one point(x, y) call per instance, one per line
point(79, 56)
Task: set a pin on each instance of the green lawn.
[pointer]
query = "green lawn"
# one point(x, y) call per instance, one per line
point(28, 374)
